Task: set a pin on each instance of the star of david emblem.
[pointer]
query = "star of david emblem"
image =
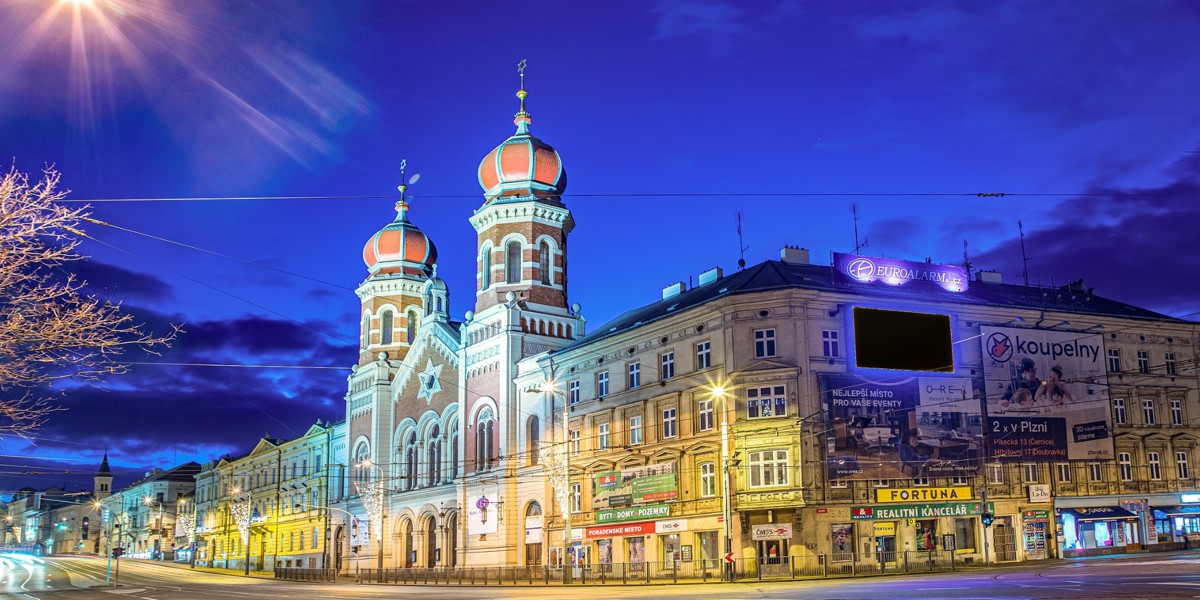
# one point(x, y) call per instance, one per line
point(430, 381)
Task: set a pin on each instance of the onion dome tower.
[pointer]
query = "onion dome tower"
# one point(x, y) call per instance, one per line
point(399, 259)
point(522, 226)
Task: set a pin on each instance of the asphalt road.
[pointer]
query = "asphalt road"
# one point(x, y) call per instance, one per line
point(1132, 578)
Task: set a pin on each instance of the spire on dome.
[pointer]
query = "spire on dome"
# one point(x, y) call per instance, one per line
point(402, 204)
point(522, 119)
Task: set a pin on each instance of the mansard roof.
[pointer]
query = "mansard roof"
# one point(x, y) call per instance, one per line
point(778, 275)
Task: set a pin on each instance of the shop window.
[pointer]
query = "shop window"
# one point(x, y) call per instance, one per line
point(964, 534)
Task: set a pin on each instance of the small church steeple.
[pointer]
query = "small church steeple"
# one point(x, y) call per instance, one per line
point(102, 482)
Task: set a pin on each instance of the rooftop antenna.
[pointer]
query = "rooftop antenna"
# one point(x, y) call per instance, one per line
point(741, 249)
point(1024, 258)
point(857, 246)
point(966, 259)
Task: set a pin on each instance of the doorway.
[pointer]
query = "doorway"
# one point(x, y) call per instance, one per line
point(885, 550)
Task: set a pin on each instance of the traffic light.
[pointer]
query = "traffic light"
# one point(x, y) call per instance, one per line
point(987, 519)
point(117, 552)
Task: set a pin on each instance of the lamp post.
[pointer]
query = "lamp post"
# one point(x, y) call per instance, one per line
point(188, 520)
point(558, 472)
point(239, 506)
point(719, 394)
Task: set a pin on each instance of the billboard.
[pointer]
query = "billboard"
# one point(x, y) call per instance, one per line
point(853, 268)
point(1047, 395)
point(901, 427)
point(482, 514)
point(639, 485)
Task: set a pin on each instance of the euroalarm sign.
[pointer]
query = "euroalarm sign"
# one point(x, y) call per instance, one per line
point(867, 269)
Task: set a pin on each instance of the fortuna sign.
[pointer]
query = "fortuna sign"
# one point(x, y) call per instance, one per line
point(864, 269)
point(922, 494)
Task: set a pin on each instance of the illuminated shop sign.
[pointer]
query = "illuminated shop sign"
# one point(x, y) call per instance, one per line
point(922, 494)
point(1189, 498)
point(891, 271)
point(638, 513)
point(919, 511)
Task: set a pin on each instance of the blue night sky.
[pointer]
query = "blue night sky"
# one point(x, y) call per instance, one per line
point(671, 117)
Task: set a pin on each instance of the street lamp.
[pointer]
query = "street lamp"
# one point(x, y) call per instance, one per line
point(719, 394)
point(558, 472)
point(240, 507)
point(188, 520)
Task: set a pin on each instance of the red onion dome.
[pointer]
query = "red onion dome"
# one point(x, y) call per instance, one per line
point(522, 165)
point(400, 247)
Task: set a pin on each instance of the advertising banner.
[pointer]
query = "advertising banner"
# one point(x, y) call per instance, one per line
point(637, 513)
point(639, 485)
point(901, 427)
point(1047, 395)
point(771, 531)
point(607, 531)
point(482, 516)
point(360, 530)
point(891, 271)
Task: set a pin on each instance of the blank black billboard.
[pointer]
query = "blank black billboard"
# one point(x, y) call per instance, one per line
point(902, 341)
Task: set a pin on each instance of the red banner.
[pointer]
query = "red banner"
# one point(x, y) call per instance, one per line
point(607, 531)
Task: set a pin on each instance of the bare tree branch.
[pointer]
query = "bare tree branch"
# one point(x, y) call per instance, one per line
point(50, 330)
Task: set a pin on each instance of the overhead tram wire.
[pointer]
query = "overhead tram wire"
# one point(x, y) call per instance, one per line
point(474, 196)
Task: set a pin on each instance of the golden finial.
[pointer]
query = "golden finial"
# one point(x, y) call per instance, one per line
point(521, 93)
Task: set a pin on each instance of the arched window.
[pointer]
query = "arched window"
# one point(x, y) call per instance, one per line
point(411, 330)
point(428, 303)
point(453, 466)
point(485, 269)
point(362, 470)
point(385, 328)
point(512, 261)
point(535, 439)
point(484, 432)
point(544, 262)
point(366, 331)
point(410, 462)
point(435, 456)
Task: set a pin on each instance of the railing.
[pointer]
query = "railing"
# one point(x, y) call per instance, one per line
point(788, 567)
point(296, 574)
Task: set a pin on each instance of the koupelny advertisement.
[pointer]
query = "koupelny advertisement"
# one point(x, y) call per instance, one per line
point(1046, 395)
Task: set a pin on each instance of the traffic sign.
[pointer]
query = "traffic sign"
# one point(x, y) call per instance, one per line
point(729, 558)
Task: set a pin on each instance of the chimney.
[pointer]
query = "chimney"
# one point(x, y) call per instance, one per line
point(794, 255)
point(988, 277)
point(710, 275)
point(673, 290)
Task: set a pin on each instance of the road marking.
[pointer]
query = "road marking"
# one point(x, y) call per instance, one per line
point(934, 589)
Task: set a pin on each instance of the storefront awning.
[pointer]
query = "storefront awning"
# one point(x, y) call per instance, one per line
point(1163, 512)
point(1099, 513)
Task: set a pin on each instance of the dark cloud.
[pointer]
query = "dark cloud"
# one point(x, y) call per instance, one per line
point(160, 415)
point(118, 284)
point(1136, 245)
